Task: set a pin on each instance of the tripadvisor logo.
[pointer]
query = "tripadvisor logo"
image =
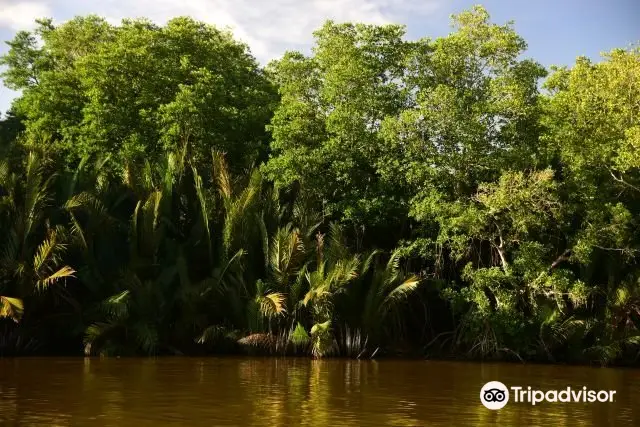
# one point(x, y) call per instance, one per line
point(495, 395)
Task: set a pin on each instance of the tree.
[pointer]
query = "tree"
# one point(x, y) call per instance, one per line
point(374, 125)
point(475, 113)
point(136, 90)
point(326, 128)
point(32, 251)
point(592, 120)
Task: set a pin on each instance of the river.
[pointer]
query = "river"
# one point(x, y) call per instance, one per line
point(298, 392)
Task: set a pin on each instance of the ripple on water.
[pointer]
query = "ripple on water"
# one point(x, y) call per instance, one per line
point(295, 392)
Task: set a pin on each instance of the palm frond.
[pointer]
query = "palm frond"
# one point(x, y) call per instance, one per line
point(211, 333)
point(560, 331)
point(287, 252)
point(221, 174)
point(343, 271)
point(46, 251)
point(78, 234)
point(368, 262)
point(299, 336)
point(86, 201)
point(215, 282)
point(95, 335)
point(147, 177)
point(134, 231)
point(632, 340)
point(11, 308)
point(402, 290)
point(322, 339)
point(150, 227)
point(297, 289)
point(249, 193)
point(62, 273)
point(10, 249)
point(605, 353)
point(147, 337)
point(272, 304)
point(117, 306)
point(73, 182)
point(264, 238)
point(35, 191)
point(336, 248)
point(203, 210)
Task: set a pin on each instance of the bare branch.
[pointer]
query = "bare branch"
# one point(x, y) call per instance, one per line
point(622, 181)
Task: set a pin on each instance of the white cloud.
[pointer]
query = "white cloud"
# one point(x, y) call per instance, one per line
point(20, 15)
point(268, 26)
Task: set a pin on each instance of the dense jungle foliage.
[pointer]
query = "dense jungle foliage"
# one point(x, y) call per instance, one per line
point(161, 193)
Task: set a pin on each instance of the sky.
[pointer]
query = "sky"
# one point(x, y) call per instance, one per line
point(556, 31)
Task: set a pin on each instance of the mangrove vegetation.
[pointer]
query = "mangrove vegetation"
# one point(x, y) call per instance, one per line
point(162, 193)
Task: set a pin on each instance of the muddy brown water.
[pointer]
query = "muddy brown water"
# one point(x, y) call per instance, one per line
point(298, 392)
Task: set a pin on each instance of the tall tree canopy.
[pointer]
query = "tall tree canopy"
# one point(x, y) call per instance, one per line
point(326, 129)
point(372, 123)
point(136, 90)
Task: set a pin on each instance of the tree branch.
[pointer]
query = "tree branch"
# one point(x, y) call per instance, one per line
point(562, 258)
point(501, 252)
point(622, 181)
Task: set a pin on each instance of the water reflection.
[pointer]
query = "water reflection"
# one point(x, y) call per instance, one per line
point(295, 392)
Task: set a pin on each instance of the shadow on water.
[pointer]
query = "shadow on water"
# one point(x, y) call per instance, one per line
point(297, 392)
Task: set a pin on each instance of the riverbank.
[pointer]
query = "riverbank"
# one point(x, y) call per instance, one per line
point(162, 192)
